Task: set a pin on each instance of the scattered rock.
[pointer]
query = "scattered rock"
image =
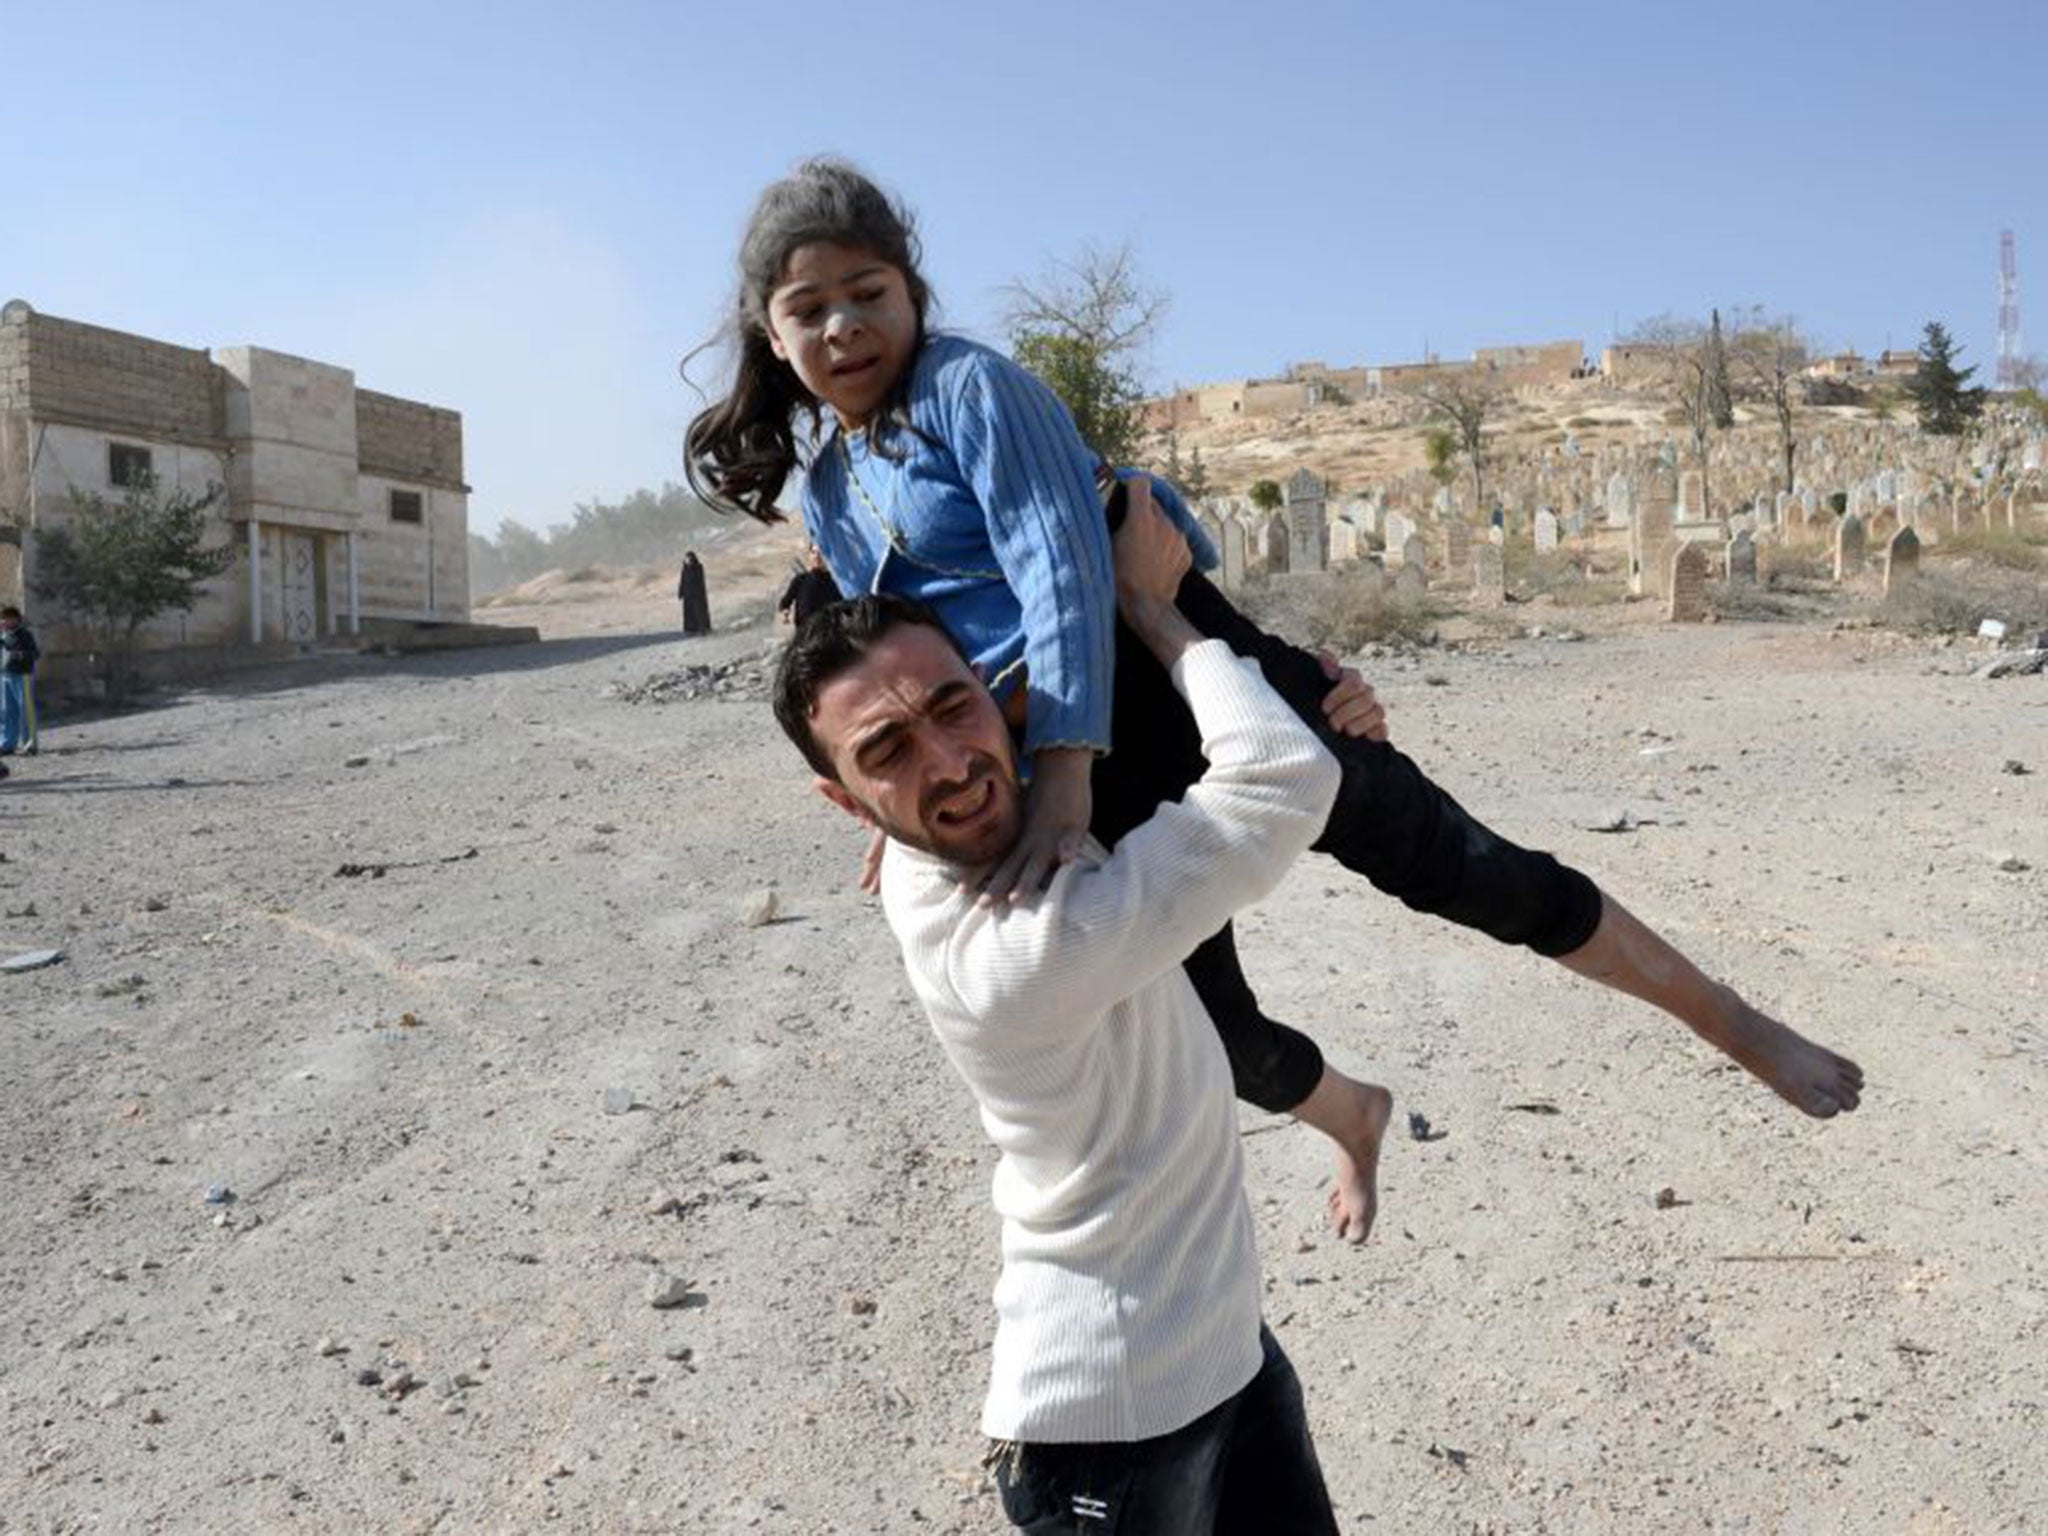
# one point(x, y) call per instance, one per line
point(153, 1416)
point(219, 1194)
point(859, 1306)
point(761, 908)
point(360, 760)
point(2012, 664)
point(2011, 863)
point(2015, 767)
point(27, 909)
point(663, 1204)
point(1666, 1198)
point(156, 904)
point(666, 1290)
point(618, 1101)
point(682, 1354)
point(1455, 1457)
point(748, 678)
point(122, 986)
point(31, 960)
point(400, 1384)
point(1419, 1128)
point(327, 1346)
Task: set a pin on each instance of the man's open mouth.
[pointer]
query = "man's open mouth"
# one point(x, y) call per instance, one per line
point(964, 807)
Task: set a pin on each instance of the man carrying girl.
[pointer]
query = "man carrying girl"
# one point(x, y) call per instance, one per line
point(938, 469)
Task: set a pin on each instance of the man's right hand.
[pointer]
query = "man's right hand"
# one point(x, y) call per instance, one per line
point(1151, 558)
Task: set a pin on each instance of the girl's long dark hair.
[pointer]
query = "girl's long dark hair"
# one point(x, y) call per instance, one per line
point(739, 451)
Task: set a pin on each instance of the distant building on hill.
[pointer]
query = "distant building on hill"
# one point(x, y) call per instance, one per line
point(1838, 365)
point(1630, 364)
point(1894, 364)
point(1310, 385)
point(346, 505)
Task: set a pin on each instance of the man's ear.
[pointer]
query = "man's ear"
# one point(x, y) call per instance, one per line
point(835, 791)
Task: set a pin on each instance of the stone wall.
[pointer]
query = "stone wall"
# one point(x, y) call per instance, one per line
point(14, 456)
point(1625, 364)
point(404, 440)
point(90, 376)
point(414, 570)
point(1545, 363)
point(13, 365)
point(1274, 397)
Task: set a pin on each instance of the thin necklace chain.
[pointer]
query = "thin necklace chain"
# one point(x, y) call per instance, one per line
point(889, 530)
point(893, 535)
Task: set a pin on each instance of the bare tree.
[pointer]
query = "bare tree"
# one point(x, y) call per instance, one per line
point(1464, 403)
point(1770, 358)
point(1685, 373)
point(1099, 297)
point(1081, 326)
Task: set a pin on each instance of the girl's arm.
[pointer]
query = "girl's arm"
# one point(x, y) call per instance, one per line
point(1033, 477)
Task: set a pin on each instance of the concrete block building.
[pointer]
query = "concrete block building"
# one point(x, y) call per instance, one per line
point(347, 507)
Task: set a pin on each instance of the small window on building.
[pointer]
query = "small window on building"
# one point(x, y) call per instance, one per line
point(406, 507)
point(127, 465)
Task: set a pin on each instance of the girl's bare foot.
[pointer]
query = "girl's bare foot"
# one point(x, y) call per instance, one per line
point(1805, 1075)
point(1355, 1116)
point(1632, 958)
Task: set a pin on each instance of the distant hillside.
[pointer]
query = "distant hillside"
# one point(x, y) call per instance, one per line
point(648, 528)
point(1357, 446)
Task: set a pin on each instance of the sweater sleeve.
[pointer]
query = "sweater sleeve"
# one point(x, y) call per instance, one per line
point(1102, 932)
point(1033, 477)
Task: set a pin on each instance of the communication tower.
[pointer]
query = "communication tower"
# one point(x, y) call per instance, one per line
point(2009, 364)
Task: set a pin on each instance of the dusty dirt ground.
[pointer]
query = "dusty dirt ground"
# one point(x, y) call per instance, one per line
point(403, 1079)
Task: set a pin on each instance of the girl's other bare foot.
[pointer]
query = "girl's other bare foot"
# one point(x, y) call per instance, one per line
point(1355, 1116)
point(1805, 1075)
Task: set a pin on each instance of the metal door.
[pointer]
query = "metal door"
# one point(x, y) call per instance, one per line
point(299, 588)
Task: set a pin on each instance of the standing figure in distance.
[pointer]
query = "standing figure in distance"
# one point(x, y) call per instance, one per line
point(695, 599)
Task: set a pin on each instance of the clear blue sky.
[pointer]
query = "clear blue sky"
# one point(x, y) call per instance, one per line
point(528, 212)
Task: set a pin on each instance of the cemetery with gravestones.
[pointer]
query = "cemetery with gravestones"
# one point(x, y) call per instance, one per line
point(1603, 509)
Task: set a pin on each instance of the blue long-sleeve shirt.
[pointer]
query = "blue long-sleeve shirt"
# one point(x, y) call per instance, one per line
point(988, 512)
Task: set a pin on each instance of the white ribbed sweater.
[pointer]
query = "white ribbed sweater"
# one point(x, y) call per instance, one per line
point(1128, 1304)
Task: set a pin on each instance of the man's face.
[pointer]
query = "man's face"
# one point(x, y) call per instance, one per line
point(921, 749)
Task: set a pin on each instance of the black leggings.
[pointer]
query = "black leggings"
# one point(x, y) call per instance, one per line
point(1390, 824)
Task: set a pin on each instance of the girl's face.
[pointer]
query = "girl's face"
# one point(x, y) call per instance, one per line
point(842, 319)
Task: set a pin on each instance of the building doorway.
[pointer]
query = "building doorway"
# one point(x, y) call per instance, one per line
point(299, 587)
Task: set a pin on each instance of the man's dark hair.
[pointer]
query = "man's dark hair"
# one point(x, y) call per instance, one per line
point(10, 612)
point(826, 644)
